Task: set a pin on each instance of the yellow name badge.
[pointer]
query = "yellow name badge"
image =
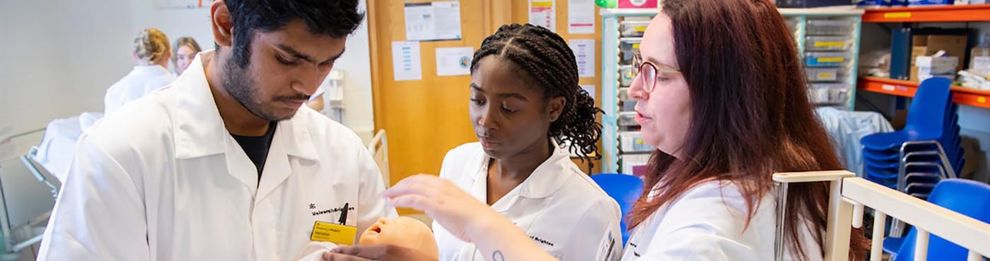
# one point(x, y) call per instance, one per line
point(334, 233)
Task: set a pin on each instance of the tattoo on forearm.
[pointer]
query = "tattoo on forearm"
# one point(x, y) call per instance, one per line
point(497, 256)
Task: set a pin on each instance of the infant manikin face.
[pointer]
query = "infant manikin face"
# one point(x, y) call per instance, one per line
point(401, 231)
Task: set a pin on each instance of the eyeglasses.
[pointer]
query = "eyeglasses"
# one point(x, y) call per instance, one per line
point(646, 71)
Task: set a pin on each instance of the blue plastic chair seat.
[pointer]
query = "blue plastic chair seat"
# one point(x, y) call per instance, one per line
point(932, 116)
point(891, 141)
point(892, 153)
point(954, 154)
point(966, 197)
point(625, 189)
point(892, 244)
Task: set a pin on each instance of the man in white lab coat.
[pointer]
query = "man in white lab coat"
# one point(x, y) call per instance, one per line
point(226, 163)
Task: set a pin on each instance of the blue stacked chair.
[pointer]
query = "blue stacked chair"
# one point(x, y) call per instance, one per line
point(965, 197)
point(625, 189)
point(930, 142)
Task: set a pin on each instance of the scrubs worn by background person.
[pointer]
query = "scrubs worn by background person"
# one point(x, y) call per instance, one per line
point(165, 178)
point(152, 52)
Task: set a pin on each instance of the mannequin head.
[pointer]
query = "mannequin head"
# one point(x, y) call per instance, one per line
point(401, 231)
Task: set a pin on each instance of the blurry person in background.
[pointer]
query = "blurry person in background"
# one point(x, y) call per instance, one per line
point(152, 53)
point(184, 51)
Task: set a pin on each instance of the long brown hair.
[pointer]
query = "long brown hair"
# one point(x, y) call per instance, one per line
point(751, 114)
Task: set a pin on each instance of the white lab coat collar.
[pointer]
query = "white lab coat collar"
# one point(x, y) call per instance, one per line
point(153, 69)
point(200, 131)
point(546, 179)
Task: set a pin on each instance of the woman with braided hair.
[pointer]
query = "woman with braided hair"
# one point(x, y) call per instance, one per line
point(152, 52)
point(525, 105)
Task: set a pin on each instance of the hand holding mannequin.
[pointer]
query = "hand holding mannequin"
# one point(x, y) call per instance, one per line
point(466, 218)
point(458, 212)
point(400, 238)
point(403, 232)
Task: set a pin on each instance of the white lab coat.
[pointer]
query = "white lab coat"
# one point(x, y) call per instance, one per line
point(143, 79)
point(558, 206)
point(707, 223)
point(162, 179)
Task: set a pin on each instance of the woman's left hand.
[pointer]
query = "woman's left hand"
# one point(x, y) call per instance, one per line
point(454, 209)
point(375, 252)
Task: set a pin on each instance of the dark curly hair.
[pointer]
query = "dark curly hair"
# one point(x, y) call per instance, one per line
point(547, 59)
point(336, 18)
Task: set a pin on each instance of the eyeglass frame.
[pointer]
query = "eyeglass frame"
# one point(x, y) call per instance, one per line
point(649, 83)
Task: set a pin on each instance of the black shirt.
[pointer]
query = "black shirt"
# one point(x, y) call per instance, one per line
point(256, 147)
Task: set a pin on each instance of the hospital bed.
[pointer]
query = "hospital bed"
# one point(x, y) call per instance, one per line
point(851, 195)
point(378, 146)
point(27, 196)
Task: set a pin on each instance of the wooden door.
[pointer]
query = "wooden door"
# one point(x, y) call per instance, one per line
point(424, 118)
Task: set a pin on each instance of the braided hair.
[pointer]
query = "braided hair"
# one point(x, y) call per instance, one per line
point(151, 45)
point(546, 59)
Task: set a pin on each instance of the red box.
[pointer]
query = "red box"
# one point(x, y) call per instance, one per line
point(637, 4)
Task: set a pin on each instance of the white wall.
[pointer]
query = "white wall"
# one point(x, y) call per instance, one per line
point(59, 56)
point(356, 64)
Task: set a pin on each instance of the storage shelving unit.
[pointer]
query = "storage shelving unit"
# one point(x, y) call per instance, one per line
point(832, 57)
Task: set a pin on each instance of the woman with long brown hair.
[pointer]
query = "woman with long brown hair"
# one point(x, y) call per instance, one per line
point(721, 95)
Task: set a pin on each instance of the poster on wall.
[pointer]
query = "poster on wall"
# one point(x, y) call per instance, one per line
point(541, 13)
point(584, 53)
point(183, 4)
point(453, 61)
point(590, 88)
point(406, 64)
point(435, 21)
point(638, 3)
point(581, 17)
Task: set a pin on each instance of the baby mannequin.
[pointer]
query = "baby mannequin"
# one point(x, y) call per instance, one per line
point(400, 231)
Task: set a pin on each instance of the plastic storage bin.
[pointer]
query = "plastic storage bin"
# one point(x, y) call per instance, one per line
point(627, 119)
point(632, 141)
point(626, 75)
point(829, 27)
point(824, 74)
point(829, 93)
point(633, 28)
point(633, 161)
point(626, 52)
point(826, 59)
point(827, 43)
point(627, 105)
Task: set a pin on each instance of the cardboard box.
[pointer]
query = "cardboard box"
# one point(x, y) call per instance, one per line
point(944, 64)
point(979, 61)
point(927, 67)
point(927, 45)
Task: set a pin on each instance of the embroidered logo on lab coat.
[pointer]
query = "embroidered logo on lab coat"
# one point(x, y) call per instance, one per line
point(541, 241)
point(329, 212)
